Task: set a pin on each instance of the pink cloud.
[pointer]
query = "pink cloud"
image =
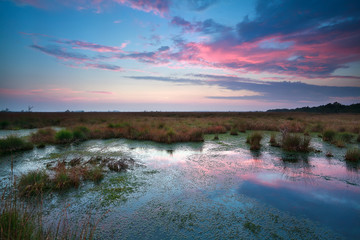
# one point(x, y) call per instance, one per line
point(101, 92)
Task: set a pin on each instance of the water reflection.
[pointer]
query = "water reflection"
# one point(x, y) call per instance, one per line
point(333, 205)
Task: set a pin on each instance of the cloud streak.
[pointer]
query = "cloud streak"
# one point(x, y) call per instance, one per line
point(269, 91)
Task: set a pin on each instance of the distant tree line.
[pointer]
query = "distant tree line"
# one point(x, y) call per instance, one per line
point(328, 108)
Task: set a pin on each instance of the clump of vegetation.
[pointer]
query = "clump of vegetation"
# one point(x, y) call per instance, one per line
point(254, 140)
point(295, 143)
point(95, 174)
point(234, 132)
point(42, 136)
point(328, 135)
point(33, 183)
point(353, 155)
point(18, 224)
point(65, 177)
point(273, 142)
point(252, 227)
point(64, 136)
point(13, 144)
point(329, 154)
point(81, 133)
point(346, 137)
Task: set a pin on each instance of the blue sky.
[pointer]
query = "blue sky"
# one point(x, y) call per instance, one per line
point(191, 55)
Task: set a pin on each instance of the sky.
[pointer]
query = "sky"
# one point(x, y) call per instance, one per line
point(170, 55)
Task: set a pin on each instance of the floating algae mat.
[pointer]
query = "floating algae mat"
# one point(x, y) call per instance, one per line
point(211, 190)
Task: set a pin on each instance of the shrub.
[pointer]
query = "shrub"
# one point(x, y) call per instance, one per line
point(353, 155)
point(254, 140)
point(64, 136)
point(358, 138)
point(295, 143)
point(13, 143)
point(328, 135)
point(44, 135)
point(33, 183)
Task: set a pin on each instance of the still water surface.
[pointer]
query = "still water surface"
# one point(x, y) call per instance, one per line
point(216, 189)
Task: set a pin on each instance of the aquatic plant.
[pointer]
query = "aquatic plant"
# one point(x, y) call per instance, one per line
point(254, 228)
point(295, 143)
point(64, 136)
point(353, 155)
point(328, 135)
point(81, 133)
point(94, 174)
point(33, 183)
point(15, 223)
point(234, 132)
point(65, 177)
point(346, 137)
point(12, 143)
point(273, 142)
point(254, 140)
point(42, 136)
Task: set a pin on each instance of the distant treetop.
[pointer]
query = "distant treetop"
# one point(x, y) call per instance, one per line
point(328, 108)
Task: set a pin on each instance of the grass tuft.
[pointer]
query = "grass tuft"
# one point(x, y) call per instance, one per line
point(13, 143)
point(64, 136)
point(295, 143)
point(353, 155)
point(42, 136)
point(328, 135)
point(33, 183)
point(254, 140)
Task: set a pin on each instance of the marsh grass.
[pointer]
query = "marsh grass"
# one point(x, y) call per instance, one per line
point(64, 136)
point(273, 141)
point(295, 143)
point(33, 183)
point(254, 140)
point(328, 135)
point(94, 174)
point(81, 133)
point(13, 143)
point(42, 136)
point(18, 221)
point(353, 155)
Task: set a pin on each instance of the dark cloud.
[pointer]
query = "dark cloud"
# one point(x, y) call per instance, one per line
point(290, 16)
point(60, 53)
point(271, 91)
point(208, 26)
point(163, 48)
point(104, 66)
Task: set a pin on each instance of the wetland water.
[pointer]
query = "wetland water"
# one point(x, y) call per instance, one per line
point(211, 190)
